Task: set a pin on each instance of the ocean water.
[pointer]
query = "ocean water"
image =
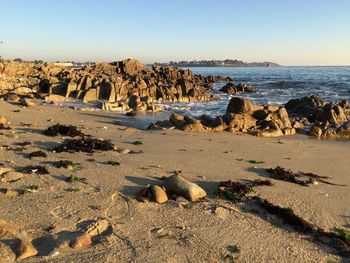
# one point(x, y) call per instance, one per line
point(274, 85)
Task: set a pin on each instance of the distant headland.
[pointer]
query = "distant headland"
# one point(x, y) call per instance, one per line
point(218, 63)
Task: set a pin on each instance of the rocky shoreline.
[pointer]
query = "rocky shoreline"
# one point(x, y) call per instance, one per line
point(129, 86)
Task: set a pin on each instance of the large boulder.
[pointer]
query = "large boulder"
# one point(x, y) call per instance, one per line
point(304, 106)
point(241, 106)
point(180, 186)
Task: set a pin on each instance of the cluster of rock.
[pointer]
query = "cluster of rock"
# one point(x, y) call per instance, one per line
point(122, 85)
point(319, 118)
point(174, 187)
point(241, 115)
point(325, 119)
point(231, 88)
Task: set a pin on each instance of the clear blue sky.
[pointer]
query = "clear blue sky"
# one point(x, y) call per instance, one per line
point(290, 32)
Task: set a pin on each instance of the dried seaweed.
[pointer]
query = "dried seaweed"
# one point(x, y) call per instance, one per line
point(25, 143)
point(335, 240)
point(260, 182)
point(34, 169)
point(85, 144)
point(66, 164)
point(37, 154)
point(64, 130)
point(234, 191)
point(283, 174)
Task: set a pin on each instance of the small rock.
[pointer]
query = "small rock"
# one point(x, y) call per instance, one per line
point(27, 103)
point(123, 151)
point(180, 186)
point(158, 194)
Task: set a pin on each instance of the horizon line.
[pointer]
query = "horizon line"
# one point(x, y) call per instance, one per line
point(151, 63)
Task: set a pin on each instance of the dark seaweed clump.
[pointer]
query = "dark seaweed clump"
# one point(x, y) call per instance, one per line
point(66, 164)
point(84, 144)
point(237, 191)
point(37, 154)
point(64, 130)
point(34, 169)
point(234, 191)
point(332, 239)
point(301, 178)
point(282, 174)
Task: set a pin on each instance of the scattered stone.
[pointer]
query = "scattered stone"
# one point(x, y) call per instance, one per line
point(158, 194)
point(178, 185)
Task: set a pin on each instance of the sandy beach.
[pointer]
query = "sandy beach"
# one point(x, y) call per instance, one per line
point(200, 231)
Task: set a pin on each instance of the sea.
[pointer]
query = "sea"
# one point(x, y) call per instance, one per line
point(271, 85)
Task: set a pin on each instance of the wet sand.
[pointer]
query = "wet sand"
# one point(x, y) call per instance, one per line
point(150, 232)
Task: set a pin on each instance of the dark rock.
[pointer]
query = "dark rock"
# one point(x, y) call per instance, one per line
point(232, 88)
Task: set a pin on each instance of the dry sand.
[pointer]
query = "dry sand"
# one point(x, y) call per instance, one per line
point(150, 232)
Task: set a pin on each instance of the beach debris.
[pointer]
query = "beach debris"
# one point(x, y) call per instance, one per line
point(85, 144)
point(72, 189)
point(34, 169)
point(93, 230)
point(255, 162)
point(137, 142)
point(113, 163)
point(69, 165)
point(23, 144)
point(233, 190)
point(72, 179)
point(237, 191)
point(178, 185)
point(335, 239)
point(38, 154)
point(231, 252)
point(260, 182)
point(343, 234)
point(300, 178)
point(63, 130)
point(32, 188)
point(25, 247)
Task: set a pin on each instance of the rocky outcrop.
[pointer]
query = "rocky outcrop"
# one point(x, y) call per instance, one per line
point(124, 81)
point(231, 88)
point(242, 116)
point(326, 120)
